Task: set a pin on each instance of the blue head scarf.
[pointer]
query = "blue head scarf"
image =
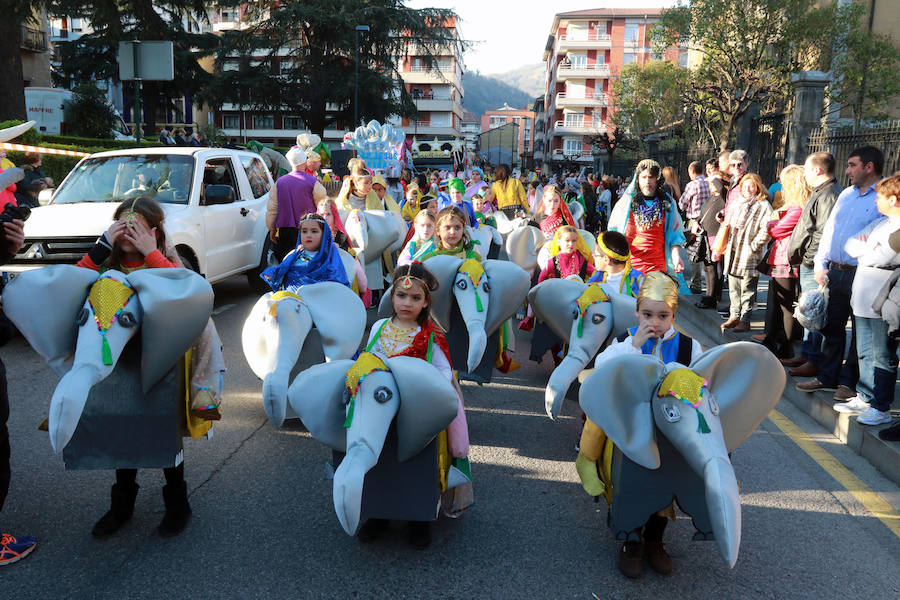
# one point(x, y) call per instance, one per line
point(326, 265)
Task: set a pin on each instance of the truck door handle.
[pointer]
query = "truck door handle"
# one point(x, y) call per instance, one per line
point(244, 212)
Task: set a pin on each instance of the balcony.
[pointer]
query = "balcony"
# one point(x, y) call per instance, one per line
point(559, 154)
point(33, 40)
point(423, 74)
point(588, 99)
point(592, 41)
point(577, 128)
point(582, 71)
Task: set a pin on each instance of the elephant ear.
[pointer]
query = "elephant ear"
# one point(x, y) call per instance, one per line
point(385, 310)
point(10, 176)
point(588, 238)
point(617, 397)
point(553, 301)
point(428, 403)
point(177, 304)
point(509, 286)
point(624, 311)
point(523, 245)
point(349, 265)
point(382, 232)
point(44, 304)
point(338, 314)
point(11, 133)
point(747, 381)
point(482, 238)
point(317, 396)
point(444, 268)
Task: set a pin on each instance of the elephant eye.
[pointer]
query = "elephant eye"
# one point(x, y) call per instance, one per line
point(575, 314)
point(713, 405)
point(126, 319)
point(382, 395)
point(597, 319)
point(671, 412)
point(82, 317)
point(461, 284)
point(486, 286)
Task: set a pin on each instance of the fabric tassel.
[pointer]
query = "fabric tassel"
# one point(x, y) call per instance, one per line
point(702, 425)
point(580, 325)
point(349, 420)
point(478, 305)
point(106, 352)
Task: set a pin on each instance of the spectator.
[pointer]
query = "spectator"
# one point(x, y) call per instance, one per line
point(708, 229)
point(779, 327)
point(671, 186)
point(507, 193)
point(747, 236)
point(180, 140)
point(164, 137)
point(589, 199)
point(876, 350)
point(605, 200)
point(195, 140)
point(818, 171)
point(712, 169)
point(35, 181)
point(12, 548)
point(854, 209)
point(695, 195)
point(738, 166)
point(723, 159)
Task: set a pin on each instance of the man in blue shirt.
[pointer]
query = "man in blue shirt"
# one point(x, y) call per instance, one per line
point(854, 210)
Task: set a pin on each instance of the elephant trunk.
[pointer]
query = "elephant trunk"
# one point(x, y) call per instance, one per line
point(562, 377)
point(348, 485)
point(68, 402)
point(723, 500)
point(477, 344)
point(286, 335)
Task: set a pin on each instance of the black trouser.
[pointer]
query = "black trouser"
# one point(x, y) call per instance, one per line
point(779, 326)
point(714, 277)
point(510, 211)
point(4, 436)
point(287, 241)
point(129, 476)
point(832, 372)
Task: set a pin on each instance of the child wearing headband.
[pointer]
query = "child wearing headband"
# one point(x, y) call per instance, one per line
point(315, 259)
point(612, 258)
point(655, 335)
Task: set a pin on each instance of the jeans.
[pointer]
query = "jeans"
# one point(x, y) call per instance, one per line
point(741, 290)
point(877, 362)
point(831, 372)
point(696, 273)
point(812, 342)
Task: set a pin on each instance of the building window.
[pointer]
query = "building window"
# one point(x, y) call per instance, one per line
point(578, 61)
point(231, 65)
point(231, 121)
point(627, 58)
point(263, 122)
point(496, 122)
point(293, 123)
point(574, 120)
point(683, 59)
point(572, 146)
point(631, 32)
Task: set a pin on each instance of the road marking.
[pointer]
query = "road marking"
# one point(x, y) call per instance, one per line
point(223, 308)
point(872, 501)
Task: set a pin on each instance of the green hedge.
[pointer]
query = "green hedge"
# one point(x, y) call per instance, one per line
point(108, 144)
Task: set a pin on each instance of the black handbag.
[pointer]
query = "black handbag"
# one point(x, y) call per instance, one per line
point(764, 267)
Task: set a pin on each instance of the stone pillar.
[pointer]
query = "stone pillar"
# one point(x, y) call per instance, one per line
point(743, 135)
point(809, 98)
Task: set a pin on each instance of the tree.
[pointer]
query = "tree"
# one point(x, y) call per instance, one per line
point(610, 142)
point(303, 58)
point(648, 97)
point(88, 113)
point(748, 50)
point(16, 15)
point(866, 67)
point(93, 57)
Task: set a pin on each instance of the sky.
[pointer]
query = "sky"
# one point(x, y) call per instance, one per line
point(505, 36)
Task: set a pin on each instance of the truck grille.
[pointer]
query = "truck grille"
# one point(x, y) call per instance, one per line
point(55, 251)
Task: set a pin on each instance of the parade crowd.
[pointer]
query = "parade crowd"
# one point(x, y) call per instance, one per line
point(646, 238)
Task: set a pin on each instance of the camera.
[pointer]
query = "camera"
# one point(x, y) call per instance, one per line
point(11, 212)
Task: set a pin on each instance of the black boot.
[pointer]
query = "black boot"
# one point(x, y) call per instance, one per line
point(122, 497)
point(178, 511)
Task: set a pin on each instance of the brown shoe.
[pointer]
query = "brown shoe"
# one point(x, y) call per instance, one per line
point(797, 361)
point(657, 557)
point(807, 369)
point(741, 327)
point(730, 323)
point(631, 559)
point(758, 337)
point(844, 393)
point(814, 385)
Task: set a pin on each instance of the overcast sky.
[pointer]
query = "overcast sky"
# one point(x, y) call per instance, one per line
point(510, 33)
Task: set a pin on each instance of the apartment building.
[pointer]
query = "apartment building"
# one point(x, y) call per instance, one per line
point(470, 129)
point(34, 50)
point(525, 120)
point(585, 52)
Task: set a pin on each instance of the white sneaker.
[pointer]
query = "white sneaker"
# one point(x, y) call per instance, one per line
point(873, 416)
point(853, 406)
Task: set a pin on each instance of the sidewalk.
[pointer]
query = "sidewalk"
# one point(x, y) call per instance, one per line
point(704, 326)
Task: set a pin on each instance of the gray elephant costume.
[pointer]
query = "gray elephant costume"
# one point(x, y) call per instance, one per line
point(673, 429)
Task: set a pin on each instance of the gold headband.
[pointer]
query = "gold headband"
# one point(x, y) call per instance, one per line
point(610, 253)
point(406, 281)
point(659, 287)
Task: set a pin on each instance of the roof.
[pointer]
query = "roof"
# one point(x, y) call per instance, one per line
point(610, 12)
point(173, 150)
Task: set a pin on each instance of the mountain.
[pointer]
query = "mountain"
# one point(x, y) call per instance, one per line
point(483, 93)
point(528, 78)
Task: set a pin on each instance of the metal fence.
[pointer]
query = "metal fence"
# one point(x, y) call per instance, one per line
point(768, 145)
point(842, 141)
point(680, 158)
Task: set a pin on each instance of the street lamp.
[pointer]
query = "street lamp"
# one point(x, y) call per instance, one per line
point(356, 80)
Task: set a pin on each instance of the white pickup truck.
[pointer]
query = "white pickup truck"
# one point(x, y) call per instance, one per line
point(214, 200)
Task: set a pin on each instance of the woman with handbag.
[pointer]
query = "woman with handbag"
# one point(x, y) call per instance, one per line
point(746, 234)
point(783, 285)
point(706, 229)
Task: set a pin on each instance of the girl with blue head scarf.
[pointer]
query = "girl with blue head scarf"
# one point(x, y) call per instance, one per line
point(314, 260)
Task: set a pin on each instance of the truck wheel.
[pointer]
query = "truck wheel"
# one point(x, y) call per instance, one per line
point(188, 260)
point(267, 260)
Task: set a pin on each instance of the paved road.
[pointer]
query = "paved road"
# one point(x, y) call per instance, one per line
point(264, 526)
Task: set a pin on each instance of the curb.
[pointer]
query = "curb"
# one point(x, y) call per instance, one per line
point(703, 325)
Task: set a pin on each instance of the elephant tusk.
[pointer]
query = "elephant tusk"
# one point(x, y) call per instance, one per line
point(724, 502)
point(348, 485)
point(68, 402)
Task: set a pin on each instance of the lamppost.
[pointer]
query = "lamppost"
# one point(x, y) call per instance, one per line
point(356, 80)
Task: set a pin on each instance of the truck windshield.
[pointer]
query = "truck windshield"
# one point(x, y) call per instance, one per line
point(167, 178)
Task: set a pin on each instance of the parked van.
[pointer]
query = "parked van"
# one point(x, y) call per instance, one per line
point(45, 105)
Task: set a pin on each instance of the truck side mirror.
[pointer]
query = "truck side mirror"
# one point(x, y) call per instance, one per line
point(217, 194)
point(44, 197)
